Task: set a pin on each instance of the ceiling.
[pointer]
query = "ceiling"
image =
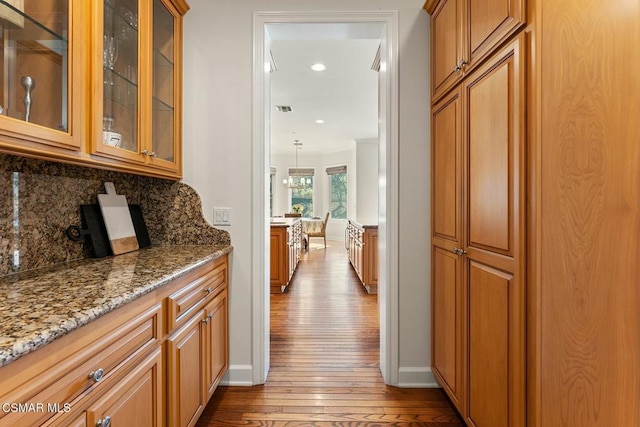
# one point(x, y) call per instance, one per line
point(345, 95)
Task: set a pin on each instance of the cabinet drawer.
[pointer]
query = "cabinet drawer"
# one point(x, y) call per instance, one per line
point(190, 298)
point(84, 372)
point(136, 400)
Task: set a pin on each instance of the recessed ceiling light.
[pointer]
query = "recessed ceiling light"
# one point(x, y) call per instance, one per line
point(318, 67)
point(319, 121)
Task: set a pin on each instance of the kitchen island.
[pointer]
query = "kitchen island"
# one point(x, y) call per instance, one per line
point(135, 335)
point(362, 244)
point(285, 247)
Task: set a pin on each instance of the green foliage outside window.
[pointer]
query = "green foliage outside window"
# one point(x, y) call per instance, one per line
point(338, 206)
point(302, 197)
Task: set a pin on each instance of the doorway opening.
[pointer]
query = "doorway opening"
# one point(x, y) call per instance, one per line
point(383, 26)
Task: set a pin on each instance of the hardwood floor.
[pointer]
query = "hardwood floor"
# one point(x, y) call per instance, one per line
point(325, 360)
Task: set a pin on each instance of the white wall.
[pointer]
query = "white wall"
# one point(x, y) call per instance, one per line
point(218, 124)
point(367, 181)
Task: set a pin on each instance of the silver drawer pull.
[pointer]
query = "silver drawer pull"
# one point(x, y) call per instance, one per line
point(97, 375)
point(104, 422)
point(208, 290)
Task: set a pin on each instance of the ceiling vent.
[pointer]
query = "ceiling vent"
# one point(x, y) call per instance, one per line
point(283, 108)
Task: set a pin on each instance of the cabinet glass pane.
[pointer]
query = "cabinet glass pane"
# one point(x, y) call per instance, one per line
point(120, 74)
point(163, 82)
point(34, 61)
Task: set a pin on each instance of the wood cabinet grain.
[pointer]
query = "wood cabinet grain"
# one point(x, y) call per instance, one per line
point(131, 365)
point(551, 174)
point(478, 207)
point(586, 214)
point(285, 246)
point(362, 245)
point(464, 33)
point(141, 92)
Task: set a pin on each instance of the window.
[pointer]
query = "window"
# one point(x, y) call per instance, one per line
point(301, 181)
point(338, 195)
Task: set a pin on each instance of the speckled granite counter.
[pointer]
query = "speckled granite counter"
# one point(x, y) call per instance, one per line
point(363, 224)
point(283, 222)
point(38, 306)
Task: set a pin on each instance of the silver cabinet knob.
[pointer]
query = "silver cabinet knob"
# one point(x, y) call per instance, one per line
point(144, 152)
point(459, 251)
point(104, 422)
point(460, 65)
point(152, 154)
point(208, 290)
point(96, 375)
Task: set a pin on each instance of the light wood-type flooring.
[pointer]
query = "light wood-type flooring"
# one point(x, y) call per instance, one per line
point(325, 360)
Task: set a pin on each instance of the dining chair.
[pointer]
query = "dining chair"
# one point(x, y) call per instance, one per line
point(322, 233)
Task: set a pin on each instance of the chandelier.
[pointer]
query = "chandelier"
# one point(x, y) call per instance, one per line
point(296, 180)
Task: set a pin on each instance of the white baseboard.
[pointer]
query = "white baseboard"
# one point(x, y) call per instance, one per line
point(238, 375)
point(416, 377)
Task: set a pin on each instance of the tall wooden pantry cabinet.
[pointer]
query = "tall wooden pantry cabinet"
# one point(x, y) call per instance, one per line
point(535, 210)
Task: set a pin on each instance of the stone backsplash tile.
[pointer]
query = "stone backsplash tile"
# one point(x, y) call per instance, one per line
point(40, 199)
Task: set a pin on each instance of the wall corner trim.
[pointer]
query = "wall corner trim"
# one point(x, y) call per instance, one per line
point(416, 377)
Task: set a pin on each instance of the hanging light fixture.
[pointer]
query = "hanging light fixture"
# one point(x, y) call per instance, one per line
point(296, 180)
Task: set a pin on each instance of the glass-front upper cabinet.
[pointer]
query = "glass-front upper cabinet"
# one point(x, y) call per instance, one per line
point(137, 110)
point(166, 111)
point(39, 66)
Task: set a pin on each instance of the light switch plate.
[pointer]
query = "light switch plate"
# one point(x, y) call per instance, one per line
point(222, 216)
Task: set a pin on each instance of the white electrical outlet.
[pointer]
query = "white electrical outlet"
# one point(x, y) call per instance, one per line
point(222, 216)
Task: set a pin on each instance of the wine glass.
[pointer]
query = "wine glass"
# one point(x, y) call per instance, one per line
point(112, 51)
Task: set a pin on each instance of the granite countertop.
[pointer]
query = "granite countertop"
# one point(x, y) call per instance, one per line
point(364, 224)
point(38, 306)
point(283, 222)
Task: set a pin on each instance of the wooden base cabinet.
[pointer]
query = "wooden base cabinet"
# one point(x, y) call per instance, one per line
point(154, 362)
point(197, 357)
point(197, 352)
point(136, 400)
point(216, 360)
point(185, 360)
point(285, 250)
point(362, 244)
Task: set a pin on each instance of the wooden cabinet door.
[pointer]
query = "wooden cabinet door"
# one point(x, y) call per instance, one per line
point(42, 78)
point(185, 359)
point(488, 23)
point(447, 319)
point(446, 292)
point(120, 73)
point(446, 164)
point(137, 80)
point(446, 45)
point(43, 62)
point(495, 197)
point(134, 401)
point(491, 334)
point(371, 260)
point(279, 256)
point(166, 110)
point(217, 342)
